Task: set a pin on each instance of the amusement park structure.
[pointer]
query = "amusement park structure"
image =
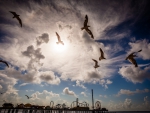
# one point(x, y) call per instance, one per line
point(75, 105)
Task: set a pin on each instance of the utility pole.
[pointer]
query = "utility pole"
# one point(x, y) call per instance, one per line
point(92, 100)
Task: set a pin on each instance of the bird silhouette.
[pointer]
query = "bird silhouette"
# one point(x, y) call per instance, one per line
point(28, 97)
point(102, 55)
point(131, 58)
point(17, 17)
point(4, 62)
point(96, 63)
point(86, 27)
point(59, 40)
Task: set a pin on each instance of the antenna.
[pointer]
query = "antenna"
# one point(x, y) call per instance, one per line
point(92, 100)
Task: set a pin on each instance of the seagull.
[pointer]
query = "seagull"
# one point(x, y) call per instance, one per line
point(17, 17)
point(131, 58)
point(28, 96)
point(59, 40)
point(102, 55)
point(86, 27)
point(96, 63)
point(4, 62)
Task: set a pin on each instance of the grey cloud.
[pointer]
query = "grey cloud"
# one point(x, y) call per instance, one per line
point(49, 77)
point(35, 56)
point(94, 75)
point(33, 53)
point(128, 92)
point(44, 38)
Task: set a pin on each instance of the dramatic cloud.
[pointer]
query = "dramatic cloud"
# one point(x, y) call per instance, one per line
point(128, 92)
point(135, 75)
point(44, 38)
point(68, 92)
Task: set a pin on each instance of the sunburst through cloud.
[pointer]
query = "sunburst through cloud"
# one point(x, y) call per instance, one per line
point(54, 53)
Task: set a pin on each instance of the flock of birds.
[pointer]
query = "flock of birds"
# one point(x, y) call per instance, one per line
point(85, 27)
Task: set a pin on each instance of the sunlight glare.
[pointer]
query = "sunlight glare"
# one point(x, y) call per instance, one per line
point(59, 47)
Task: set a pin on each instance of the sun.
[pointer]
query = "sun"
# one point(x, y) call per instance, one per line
point(60, 47)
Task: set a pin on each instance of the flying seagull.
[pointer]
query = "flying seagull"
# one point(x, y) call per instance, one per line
point(131, 58)
point(59, 40)
point(4, 62)
point(17, 17)
point(28, 97)
point(96, 63)
point(102, 55)
point(86, 27)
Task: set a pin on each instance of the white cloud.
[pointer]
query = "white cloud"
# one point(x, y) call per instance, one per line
point(84, 94)
point(128, 92)
point(10, 94)
point(141, 44)
point(127, 103)
point(104, 83)
point(23, 84)
point(68, 92)
point(135, 75)
point(44, 94)
point(78, 83)
point(105, 96)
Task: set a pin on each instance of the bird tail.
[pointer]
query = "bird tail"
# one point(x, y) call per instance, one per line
point(140, 50)
point(82, 28)
point(57, 42)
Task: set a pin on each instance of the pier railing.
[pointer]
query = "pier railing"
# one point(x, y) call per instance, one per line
point(29, 110)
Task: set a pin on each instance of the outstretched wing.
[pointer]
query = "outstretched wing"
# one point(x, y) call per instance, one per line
point(4, 62)
point(133, 61)
point(130, 55)
point(89, 31)
point(20, 22)
point(95, 61)
point(14, 13)
point(58, 37)
point(102, 53)
point(86, 20)
point(27, 96)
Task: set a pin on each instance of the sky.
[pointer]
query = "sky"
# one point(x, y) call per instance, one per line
point(46, 71)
